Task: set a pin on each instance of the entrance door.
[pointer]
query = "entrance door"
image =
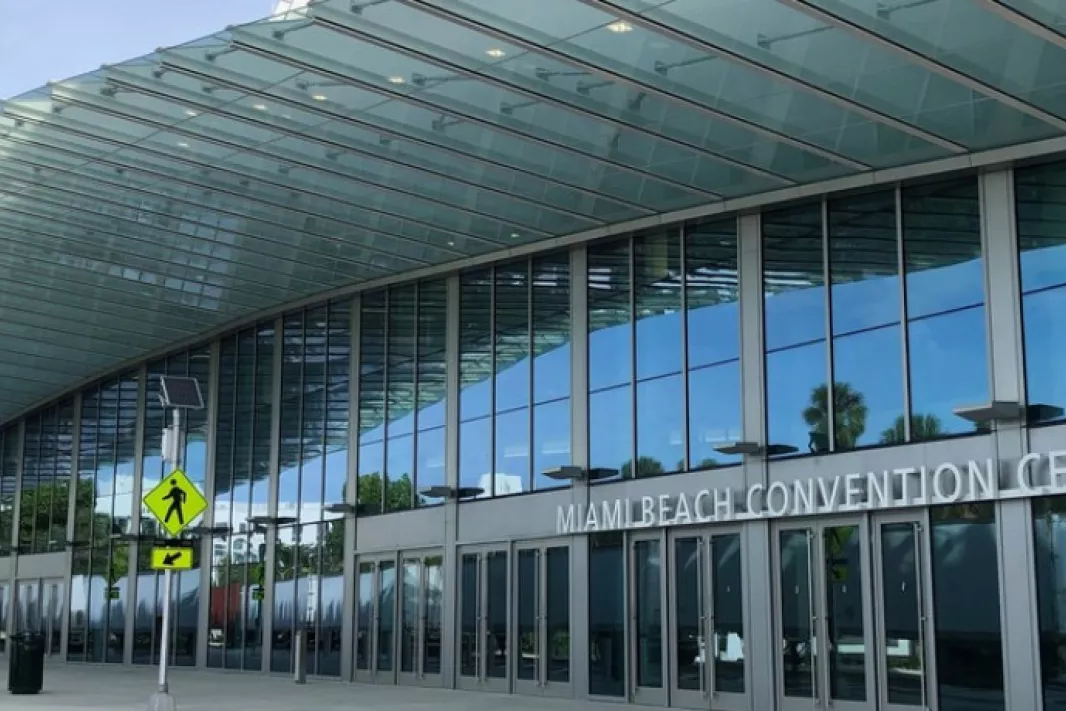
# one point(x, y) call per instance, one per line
point(542, 619)
point(905, 667)
point(484, 604)
point(707, 629)
point(825, 616)
point(5, 604)
point(53, 599)
point(375, 631)
point(647, 618)
point(421, 617)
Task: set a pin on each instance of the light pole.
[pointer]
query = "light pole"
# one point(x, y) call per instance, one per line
point(177, 395)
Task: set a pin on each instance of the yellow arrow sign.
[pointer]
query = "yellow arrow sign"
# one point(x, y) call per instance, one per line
point(175, 502)
point(171, 558)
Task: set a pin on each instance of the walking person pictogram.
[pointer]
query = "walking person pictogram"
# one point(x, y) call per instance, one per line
point(177, 497)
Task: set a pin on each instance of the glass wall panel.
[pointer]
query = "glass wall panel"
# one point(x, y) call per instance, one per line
point(1041, 211)
point(372, 354)
point(515, 371)
point(727, 598)
point(969, 640)
point(400, 398)
point(713, 313)
point(945, 305)
point(242, 478)
point(557, 613)
point(607, 615)
point(1049, 536)
point(46, 471)
point(309, 564)
point(100, 584)
point(610, 354)
point(658, 317)
point(431, 391)
point(865, 298)
point(9, 468)
point(795, 327)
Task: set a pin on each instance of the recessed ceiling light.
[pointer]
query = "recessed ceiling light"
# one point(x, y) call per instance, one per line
point(620, 27)
point(515, 235)
point(182, 144)
point(319, 97)
point(495, 52)
point(259, 107)
point(451, 243)
point(396, 80)
point(190, 112)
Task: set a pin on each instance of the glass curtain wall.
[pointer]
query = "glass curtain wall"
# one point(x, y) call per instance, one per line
point(46, 471)
point(242, 480)
point(401, 396)
point(664, 344)
point(843, 293)
point(1041, 212)
point(9, 468)
point(99, 587)
point(313, 472)
point(514, 365)
point(185, 591)
point(1049, 537)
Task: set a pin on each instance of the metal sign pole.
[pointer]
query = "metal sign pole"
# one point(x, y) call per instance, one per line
point(162, 700)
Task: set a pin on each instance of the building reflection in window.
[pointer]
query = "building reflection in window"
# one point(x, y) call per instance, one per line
point(1041, 198)
point(969, 639)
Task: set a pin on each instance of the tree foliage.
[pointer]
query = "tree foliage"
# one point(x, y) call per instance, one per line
point(849, 412)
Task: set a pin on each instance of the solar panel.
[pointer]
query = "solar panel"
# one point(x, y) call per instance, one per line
point(181, 392)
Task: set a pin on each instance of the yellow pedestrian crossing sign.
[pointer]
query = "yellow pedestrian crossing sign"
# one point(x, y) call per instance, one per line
point(172, 558)
point(175, 502)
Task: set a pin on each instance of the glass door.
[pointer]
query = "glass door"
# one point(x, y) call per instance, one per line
point(484, 605)
point(375, 621)
point(5, 604)
point(52, 603)
point(707, 629)
point(647, 619)
point(904, 650)
point(542, 619)
point(28, 606)
point(825, 620)
point(421, 595)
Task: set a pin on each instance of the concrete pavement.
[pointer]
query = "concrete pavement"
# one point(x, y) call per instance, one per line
point(74, 687)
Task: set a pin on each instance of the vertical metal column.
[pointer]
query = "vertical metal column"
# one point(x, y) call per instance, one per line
point(270, 559)
point(133, 577)
point(451, 469)
point(1018, 608)
point(579, 456)
point(75, 446)
point(207, 542)
point(351, 523)
point(758, 576)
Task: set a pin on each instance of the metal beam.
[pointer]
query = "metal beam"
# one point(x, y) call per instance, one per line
point(775, 74)
point(926, 63)
point(305, 61)
point(1024, 22)
point(680, 100)
point(337, 22)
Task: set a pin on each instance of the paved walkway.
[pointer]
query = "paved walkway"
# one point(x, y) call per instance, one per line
point(73, 687)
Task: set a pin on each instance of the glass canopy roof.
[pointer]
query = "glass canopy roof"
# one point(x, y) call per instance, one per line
point(153, 200)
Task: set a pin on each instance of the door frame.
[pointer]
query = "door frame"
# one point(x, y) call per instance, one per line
point(647, 695)
point(920, 518)
point(708, 696)
point(372, 675)
point(482, 682)
point(819, 604)
point(417, 676)
point(541, 686)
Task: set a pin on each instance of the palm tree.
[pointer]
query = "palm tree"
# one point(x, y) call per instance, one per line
point(646, 466)
point(849, 412)
point(923, 427)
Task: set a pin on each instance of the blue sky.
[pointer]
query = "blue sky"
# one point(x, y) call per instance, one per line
point(56, 39)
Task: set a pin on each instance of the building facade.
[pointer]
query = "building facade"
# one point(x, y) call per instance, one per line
point(807, 455)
